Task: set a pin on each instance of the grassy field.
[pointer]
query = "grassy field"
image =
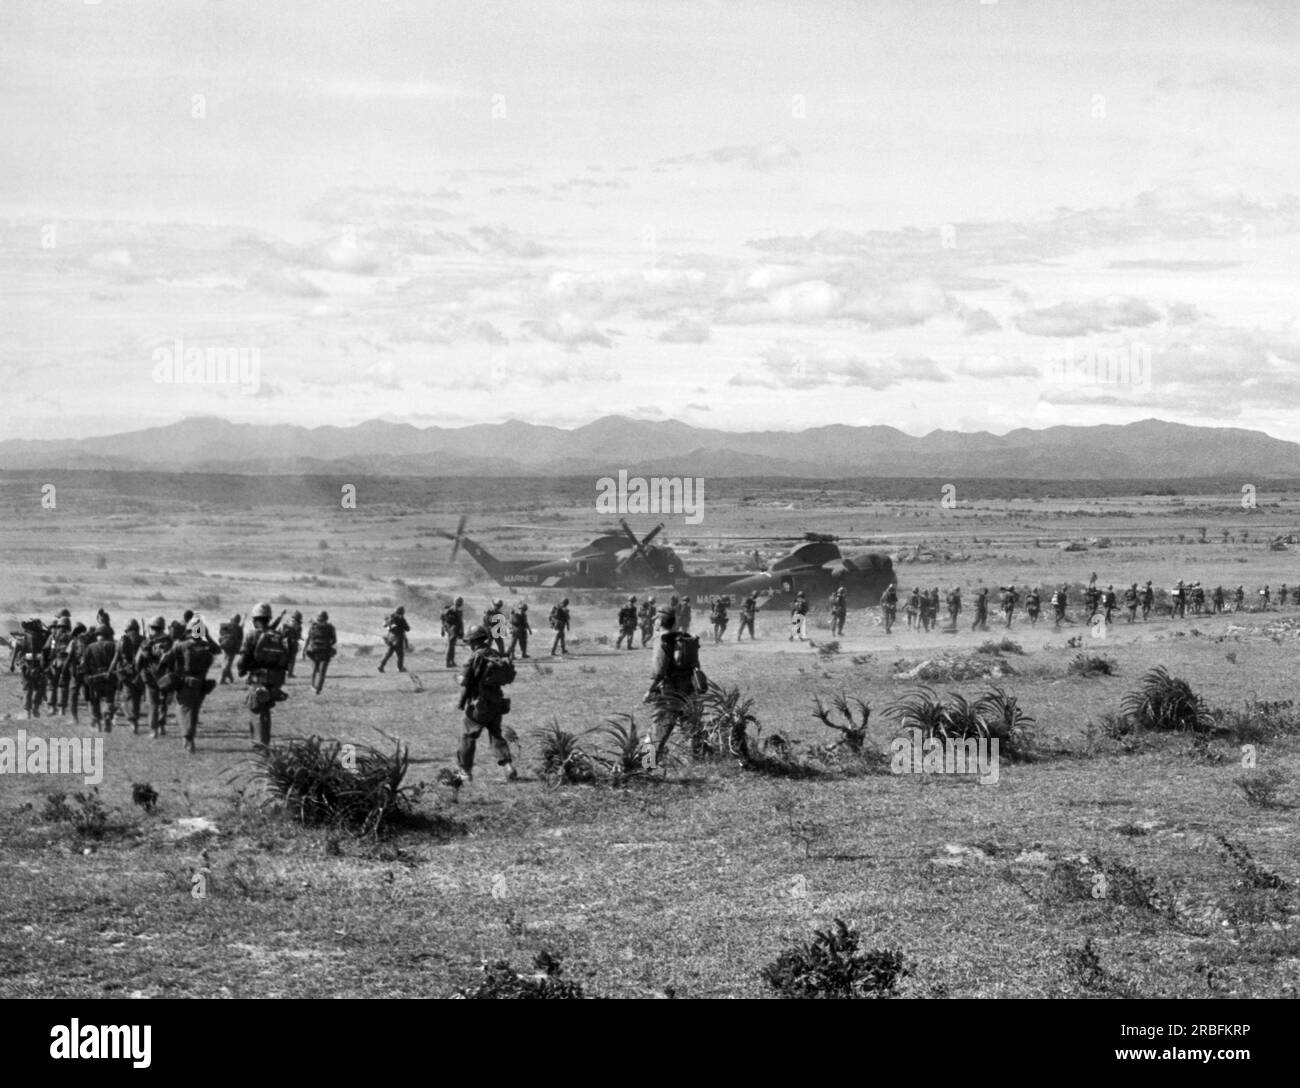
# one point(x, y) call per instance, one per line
point(687, 885)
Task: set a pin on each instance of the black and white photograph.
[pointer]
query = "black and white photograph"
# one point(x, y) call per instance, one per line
point(655, 500)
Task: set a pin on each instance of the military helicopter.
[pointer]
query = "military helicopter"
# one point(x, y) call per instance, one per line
point(613, 560)
point(621, 561)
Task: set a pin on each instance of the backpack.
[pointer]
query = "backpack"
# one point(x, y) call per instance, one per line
point(487, 700)
point(555, 616)
point(684, 661)
point(271, 651)
point(196, 660)
point(228, 636)
point(317, 640)
point(449, 618)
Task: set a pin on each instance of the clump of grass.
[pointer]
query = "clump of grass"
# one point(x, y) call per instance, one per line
point(1002, 646)
point(145, 796)
point(320, 784)
point(625, 758)
point(84, 811)
point(561, 757)
point(208, 602)
point(1263, 787)
point(827, 650)
point(994, 714)
point(1259, 721)
point(1164, 703)
point(833, 965)
point(1091, 665)
point(365, 650)
point(502, 983)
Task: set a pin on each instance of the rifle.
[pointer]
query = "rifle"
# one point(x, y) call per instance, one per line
point(273, 626)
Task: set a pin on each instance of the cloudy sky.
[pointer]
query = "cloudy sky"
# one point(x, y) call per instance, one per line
point(933, 214)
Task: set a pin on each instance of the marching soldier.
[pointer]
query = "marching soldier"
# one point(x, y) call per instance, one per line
point(627, 623)
point(1033, 605)
point(798, 618)
point(954, 606)
point(293, 636)
point(102, 620)
point(453, 628)
point(230, 637)
point(1091, 599)
point(59, 653)
point(560, 625)
point(748, 610)
point(981, 620)
point(320, 649)
point(189, 661)
point(1010, 598)
point(1265, 598)
point(395, 627)
point(1179, 600)
point(81, 639)
point(129, 685)
point(913, 608)
point(647, 619)
point(484, 703)
point(718, 617)
point(32, 648)
point(1239, 599)
point(1216, 600)
point(1059, 599)
point(496, 623)
point(149, 667)
point(675, 683)
point(889, 607)
point(1109, 602)
point(1148, 600)
point(1131, 602)
point(101, 683)
point(519, 630)
point(684, 614)
point(264, 659)
point(1281, 596)
point(840, 610)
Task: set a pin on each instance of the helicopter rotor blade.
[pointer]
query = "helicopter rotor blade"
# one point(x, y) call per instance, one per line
point(460, 531)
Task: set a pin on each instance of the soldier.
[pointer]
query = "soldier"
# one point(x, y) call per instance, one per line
point(954, 607)
point(1179, 601)
point(189, 661)
point(32, 651)
point(1059, 600)
point(981, 620)
point(675, 683)
point(1148, 600)
point(1200, 598)
point(1281, 596)
point(1109, 602)
point(1265, 598)
point(59, 657)
point(1009, 601)
point(453, 628)
point(395, 627)
point(718, 617)
point(684, 614)
point(1216, 599)
point(230, 637)
point(102, 620)
point(1091, 599)
point(1239, 599)
point(496, 623)
point(148, 666)
point(1131, 602)
point(930, 608)
point(647, 620)
point(320, 649)
point(560, 624)
point(264, 659)
point(77, 666)
point(627, 623)
point(798, 618)
point(484, 703)
point(913, 608)
point(101, 682)
point(1033, 605)
point(130, 687)
point(840, 610)
point(293, 636)
point(519, 630)
point(748, 610)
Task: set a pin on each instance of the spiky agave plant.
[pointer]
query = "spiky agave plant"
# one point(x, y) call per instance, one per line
point(560, 755)
point(1002, 716)
point(727, 718)
point(625, 758)
point(1165, 703)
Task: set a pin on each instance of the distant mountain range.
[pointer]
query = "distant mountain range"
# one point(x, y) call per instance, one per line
point(1149, 450)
